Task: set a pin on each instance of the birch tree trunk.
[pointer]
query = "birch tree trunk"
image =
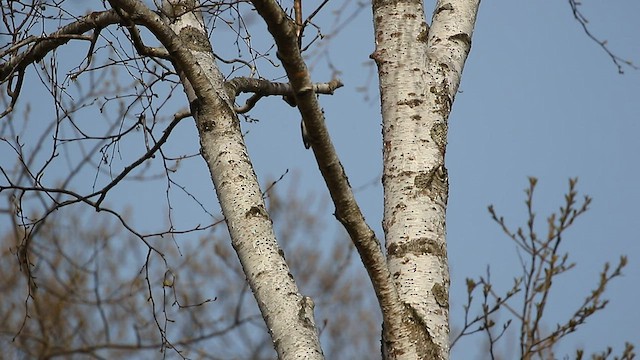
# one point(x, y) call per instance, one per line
point(419, 72)
point(288, 315)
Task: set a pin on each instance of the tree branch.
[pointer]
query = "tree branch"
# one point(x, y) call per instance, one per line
point(42, 46)
point(263, 87)
point(582, 20)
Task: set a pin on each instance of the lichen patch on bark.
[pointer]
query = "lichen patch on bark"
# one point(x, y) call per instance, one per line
point(439, 135)
point(195, 40)
point(441, 295)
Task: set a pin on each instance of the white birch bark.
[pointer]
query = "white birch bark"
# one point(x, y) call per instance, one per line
point(288, 315)
point(419, 72)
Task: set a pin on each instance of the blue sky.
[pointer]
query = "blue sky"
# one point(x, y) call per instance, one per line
point(538, 98)
point(541, 99)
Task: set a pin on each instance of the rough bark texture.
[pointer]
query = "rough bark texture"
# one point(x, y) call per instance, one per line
point(419, 71)
point(288, 315)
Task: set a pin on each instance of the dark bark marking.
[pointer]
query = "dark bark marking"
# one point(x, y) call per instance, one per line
point(439, 136)
point(441, 295)
point(257, 211)
point(195, 39)
point(420, 246)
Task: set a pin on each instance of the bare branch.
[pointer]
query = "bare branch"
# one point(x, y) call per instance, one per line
point(543, 263)
point(42, 46)
point(13, 93)
point(582, 20)
point(149, 154)
point(263, 88)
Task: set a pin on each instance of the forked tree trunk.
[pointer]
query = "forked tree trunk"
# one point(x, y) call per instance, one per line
point(419, 72)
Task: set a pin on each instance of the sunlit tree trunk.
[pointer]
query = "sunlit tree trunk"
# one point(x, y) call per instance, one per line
point(288, 315)
point(419, 73)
